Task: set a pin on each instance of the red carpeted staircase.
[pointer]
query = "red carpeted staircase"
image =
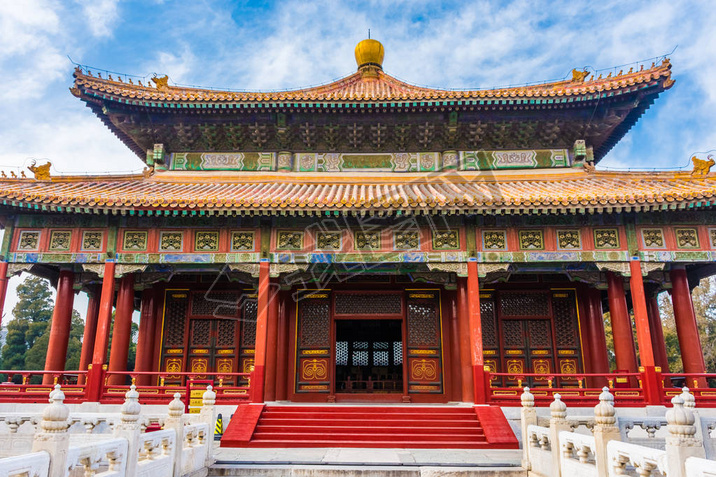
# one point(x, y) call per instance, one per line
point(448, 427)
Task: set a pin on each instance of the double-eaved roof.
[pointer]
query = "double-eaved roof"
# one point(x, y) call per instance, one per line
point(514, 192)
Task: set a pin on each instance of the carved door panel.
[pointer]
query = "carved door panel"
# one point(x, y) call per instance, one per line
point(313, 351)
point(173, 336)
point(490, 341)
point(567, 336)
point(527, 349)
point(424, 348)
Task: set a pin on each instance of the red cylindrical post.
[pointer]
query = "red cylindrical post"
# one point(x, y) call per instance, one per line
point(464, 326)
point(597, 337)
point(90, 330)
point(259, 373)
point(159, 297)
point(271, 344)
point(641, 317)
point(455, 374)
point(60, 325)
point(657, 334)
point(686, 329)
point(95, 376)
point(621, 324)
point(282, 347)
point(3, 287)
point(145, 338)
point(122, 329)
point(473, 304)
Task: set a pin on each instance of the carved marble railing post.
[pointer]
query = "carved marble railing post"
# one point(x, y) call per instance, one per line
point(53, 435)
point(681, 442)
point(529, 417)
point(208, 416)
point(175, 420)
point(690, 403)
point(557, 423)
point(130, 428)
point(605, 429)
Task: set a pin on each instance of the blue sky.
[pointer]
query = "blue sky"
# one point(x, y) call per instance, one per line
point(291, 44)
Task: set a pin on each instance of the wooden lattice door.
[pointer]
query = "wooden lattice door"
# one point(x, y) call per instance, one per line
point(313, 352)
point(424, 348)
point(526, 330)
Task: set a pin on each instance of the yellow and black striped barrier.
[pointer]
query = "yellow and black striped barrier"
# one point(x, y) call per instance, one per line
point(219, 428)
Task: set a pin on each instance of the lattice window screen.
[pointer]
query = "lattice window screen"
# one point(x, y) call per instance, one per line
point(423, 326)
point(368, 304)
point(175, 319)
point(524, 304)
point(248, 333)
point(315, 324)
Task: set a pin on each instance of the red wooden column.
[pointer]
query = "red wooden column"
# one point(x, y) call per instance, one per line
point(271, 343)
point(3, 286)
point(455, 372)
point(475, 323)
point(145, 339)
point(60, 325)
point(104, 321)
point(90, 330)
point(282, 346)
point(691, 353)
point(597, 338)
point(159, 297)
point(259, 374)
point(657, 334)
point(122, 329)
point(464, 342)
point(621, 324)
point(651, 381)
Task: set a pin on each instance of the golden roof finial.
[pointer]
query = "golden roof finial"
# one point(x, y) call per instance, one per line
point(369, 56)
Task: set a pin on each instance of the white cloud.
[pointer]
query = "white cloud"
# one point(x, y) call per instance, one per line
point(101, 15)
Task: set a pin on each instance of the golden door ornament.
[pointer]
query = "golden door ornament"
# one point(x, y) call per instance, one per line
point(314, 369)
point(423, 369)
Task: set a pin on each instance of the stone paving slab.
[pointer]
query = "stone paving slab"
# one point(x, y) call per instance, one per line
point(370, 457)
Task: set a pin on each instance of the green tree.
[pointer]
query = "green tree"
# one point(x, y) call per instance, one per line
point(132, 355)
point(28, 331)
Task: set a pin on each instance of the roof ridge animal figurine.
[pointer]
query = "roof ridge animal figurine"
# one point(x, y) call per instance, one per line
point(702, 167)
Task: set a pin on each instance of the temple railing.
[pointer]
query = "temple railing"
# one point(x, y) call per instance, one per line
point(26, 386)
point(575, 389)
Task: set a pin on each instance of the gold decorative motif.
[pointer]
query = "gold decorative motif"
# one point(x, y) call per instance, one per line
point(60, 240)
point(135, 240)
point(29, 240)
point(712, 236)
point(423, 370)
point(515, 366)
point(531, 240)
point(328, 240)
point(568, 239)
point(653, 238)
point(173, 365)
point(484, 268)
point(617, 267)
point(446, 239)
point(314, 370)
point(42, 173)
point(289, 241)
point(171, 241)
point(494, 239)
point(248, 365)
point(702, 167)
point(568, 366)
point(199, 365)
point(687, 238)
point(224, 365)
point(606, 238)
point(91, 240)
point(241, 241)
point(406, 240)
point(367, 240)
point(541, 366)
point(206, 241)
point(459, 268)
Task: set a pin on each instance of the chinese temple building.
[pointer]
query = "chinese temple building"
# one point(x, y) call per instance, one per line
point(371, 241)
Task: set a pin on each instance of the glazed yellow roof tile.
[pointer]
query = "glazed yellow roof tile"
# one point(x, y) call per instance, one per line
point(535, 191)
point(360, 87)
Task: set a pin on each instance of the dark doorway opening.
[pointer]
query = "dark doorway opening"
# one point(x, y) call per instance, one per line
point(369, 356)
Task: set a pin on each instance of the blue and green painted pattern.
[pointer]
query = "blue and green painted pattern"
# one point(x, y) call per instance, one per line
point(513, 159)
